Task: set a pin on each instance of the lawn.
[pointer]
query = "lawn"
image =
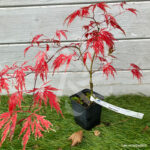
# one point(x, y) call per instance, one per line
point(118, 132)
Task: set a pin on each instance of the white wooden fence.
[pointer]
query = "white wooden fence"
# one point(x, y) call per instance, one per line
point(20, 20)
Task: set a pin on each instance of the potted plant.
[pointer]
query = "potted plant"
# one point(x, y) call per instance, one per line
point(96, 45)
point(99, 42)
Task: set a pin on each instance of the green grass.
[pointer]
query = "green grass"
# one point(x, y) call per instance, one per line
point(122, 130)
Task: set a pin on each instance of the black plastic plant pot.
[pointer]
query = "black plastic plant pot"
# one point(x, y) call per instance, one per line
point(86, 117)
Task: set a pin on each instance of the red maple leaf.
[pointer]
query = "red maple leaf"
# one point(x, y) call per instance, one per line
point(4, 84)
point(63, 32)
point(109, 69)
point(44, 93)
point(85, 57)
point(82, 12)
point(34, 123)
point(112, 21)
point(72, 16)
point(122, 4)
point(102, 6)
point(136, 71)
point(102, 59)
point(61, 59)
point(14, 100)
point(107, 37)
point(4, 80)
point(41, 66)
point(8, 122)
point(26, 49)
point(19, 75)
point(36, 38)
point(132, 10)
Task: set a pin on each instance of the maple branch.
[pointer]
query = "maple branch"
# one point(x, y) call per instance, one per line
point(91, 67)
point(82, 59)
point(35, 81)
point(91, 73)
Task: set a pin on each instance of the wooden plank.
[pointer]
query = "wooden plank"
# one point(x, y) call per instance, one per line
point(21, 24)
point(47, 2)
point(70, 83)
point(127, 51)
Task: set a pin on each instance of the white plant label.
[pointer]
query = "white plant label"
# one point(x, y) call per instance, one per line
point(118, 109)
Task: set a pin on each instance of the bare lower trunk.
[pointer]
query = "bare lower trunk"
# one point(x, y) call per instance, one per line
point(91, 83)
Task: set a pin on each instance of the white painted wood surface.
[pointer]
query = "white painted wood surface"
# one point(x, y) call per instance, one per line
point(47, 2)
point(21, 24)
point(21, 20)
point(127, 51)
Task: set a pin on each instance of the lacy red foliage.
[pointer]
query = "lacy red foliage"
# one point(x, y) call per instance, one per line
point(8, 123)
point(109, 69)
point(33, 123)
point(112, 21)
point(19, 75)
point(36, 124)
point(61, 59)
point(63, 32)
point(98, 38)
point(14, 100)
point(135, 70)
point(45, 93)
point(4, 80)
point(41, 65)
point(96, 43)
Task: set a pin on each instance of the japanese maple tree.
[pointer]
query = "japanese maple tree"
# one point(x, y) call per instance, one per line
point(97, 43)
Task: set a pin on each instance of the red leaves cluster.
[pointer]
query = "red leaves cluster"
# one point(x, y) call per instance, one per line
point(109, 69)
point(85, 11)
point(41, 65)
point(37, 40)
point(4, 80)
point(8, 123)
point(96, 40)
point(135, 70)
point(61, 59)
point(34, 124)
point(14, 100)
point(17, 77)
point(34, 40)
point(112, 21)
point(45, 93)
point(132, 10)
point(61, 32)
point(102, 6)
